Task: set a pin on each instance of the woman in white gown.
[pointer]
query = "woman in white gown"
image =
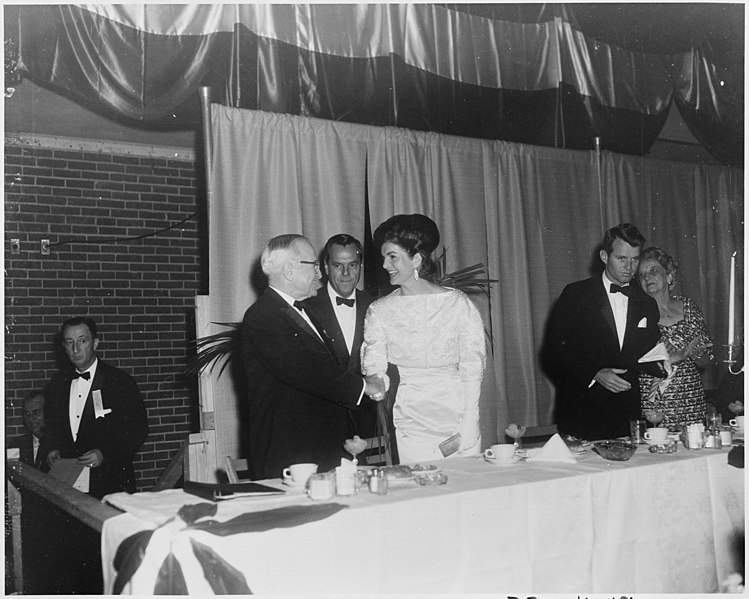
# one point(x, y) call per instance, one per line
point(434, 335)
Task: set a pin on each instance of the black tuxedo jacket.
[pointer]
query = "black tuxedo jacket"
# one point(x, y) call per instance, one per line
point(118, 435)
point(25, 444)
point(582, 340)
point(299, 396)
point(326, 316)
point(365, 416)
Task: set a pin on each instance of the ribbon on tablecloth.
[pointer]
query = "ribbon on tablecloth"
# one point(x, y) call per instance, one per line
point(167, 561)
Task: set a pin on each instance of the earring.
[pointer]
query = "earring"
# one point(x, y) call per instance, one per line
point(416, 274)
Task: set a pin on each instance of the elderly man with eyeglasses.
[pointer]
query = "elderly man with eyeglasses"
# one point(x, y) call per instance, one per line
point(300, 397)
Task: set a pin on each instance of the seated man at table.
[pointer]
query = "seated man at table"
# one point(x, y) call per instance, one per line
point(300, 397)
point(31, 446)
point(598, 330)
point(30, 449)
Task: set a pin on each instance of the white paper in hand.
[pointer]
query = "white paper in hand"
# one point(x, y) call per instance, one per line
point(555, 450)
point(657, 354)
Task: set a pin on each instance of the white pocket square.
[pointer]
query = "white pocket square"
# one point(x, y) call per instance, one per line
point(643, 323)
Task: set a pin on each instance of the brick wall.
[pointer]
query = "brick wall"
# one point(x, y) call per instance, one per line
point(140, 292)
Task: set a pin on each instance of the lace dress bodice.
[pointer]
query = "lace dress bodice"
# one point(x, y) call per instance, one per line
point(424, 331)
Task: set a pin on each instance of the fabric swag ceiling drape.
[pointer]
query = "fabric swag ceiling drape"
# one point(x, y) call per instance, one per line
point(523, 73)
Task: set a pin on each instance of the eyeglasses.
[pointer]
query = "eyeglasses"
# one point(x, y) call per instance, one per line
point(315, 263)
point(643, 274)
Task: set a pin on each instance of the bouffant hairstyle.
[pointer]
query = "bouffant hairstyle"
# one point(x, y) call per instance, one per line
point(664, 259)
point(416, 234)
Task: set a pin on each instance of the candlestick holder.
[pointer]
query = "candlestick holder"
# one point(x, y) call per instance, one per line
point(731, 353)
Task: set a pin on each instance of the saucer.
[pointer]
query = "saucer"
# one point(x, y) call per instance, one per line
point(652, 442)
point(493, 461)
point(289, 482)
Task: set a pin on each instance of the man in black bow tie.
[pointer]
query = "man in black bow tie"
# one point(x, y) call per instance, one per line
point(598, 330)
point(300, 394)
point(95, 414)
point(340, 307)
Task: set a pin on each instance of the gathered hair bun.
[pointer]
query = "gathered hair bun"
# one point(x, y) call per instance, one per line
point(416, 234)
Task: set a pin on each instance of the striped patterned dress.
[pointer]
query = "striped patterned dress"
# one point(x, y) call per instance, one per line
point(681, 396)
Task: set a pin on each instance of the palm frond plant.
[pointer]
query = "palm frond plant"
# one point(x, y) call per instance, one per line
point(471, 279)
point(218, 347)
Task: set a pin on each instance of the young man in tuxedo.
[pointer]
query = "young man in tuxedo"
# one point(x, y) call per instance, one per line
point(340, 308)
point(300, 396)
point(598, 330)
point(95, 413)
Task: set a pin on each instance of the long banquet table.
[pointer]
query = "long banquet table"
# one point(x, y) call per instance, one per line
point(654, 524)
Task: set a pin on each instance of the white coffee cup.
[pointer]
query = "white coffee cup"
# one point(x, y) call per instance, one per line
point(502, 453)
point(656, 434)
point(299, 473)
point(738, 422)
point(726, 437)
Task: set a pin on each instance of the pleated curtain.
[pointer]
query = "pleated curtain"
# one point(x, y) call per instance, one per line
point(534, 216)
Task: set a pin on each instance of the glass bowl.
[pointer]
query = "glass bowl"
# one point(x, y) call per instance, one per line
point(431, 478)
point(615, 449)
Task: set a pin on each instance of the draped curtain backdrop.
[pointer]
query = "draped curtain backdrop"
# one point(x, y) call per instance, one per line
point(532, 215)
point(548, 74)
point(554, 75)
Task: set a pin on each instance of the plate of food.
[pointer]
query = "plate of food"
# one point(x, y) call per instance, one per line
point(400, 473)
point(576, 445)
point(424, 469)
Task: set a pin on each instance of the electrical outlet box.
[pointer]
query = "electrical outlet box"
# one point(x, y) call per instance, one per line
point(45, 247)
point(15, 246)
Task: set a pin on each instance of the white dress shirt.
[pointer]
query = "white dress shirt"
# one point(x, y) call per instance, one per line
point(303, 313)
point(346, 316)
point(79, 390)
point(619, 304)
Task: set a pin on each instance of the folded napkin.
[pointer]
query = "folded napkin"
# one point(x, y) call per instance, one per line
point(555, 450)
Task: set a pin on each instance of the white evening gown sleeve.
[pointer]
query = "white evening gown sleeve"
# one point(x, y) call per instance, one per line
point(472, 361)
point(374, 350)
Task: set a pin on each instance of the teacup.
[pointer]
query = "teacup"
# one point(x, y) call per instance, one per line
point(503, 453)
point(738, 422)
point(299, 473)
point(656, 435)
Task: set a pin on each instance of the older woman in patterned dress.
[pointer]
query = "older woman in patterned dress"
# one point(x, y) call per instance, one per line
point(680, 397)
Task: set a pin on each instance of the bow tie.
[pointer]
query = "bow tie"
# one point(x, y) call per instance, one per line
point(625, 289)
point(300, 305)
point(83, 375)
point(347, 302)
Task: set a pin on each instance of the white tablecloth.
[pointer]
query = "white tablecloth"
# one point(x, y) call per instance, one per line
point(654, 524)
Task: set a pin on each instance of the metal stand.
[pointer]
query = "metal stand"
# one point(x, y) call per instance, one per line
point(731, 353)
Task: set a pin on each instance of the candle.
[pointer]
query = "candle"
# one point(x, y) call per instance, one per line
point(731, 299)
